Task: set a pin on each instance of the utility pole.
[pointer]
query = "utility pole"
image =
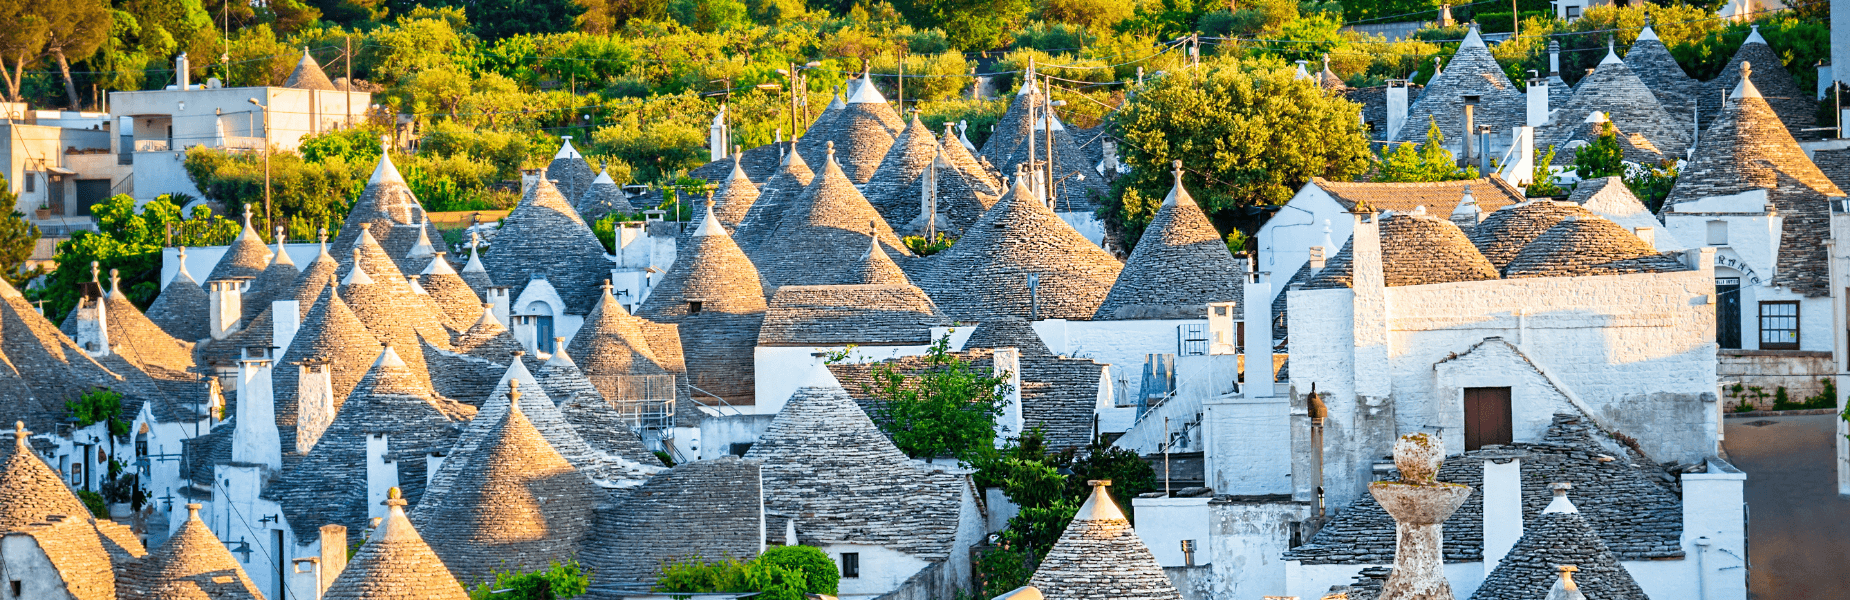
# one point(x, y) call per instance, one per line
point(902, 80)
point(1031, 110)
point(349, 55)
point(1050, 201)
point(267, 218)
point(1515, 20)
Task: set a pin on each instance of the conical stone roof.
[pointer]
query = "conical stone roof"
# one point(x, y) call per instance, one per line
point(986, 273)
point(396, 565)
point(733, 200)
point(515, 504)
point(876, 268)
point(1589, 246)
point(1415, 250)
point(543, 236)
point(192, 565)
point(960, 200)
point(822, 236)
point(1612, 88)
point(1076, 186)
point(779, 192)
point(277, 280)
point(43, 368)
point(1503, 234)
point(142, 343)
point(328, 485)
point(391, 309)
point(1179, 266)
point(308, 75)
point(31, 489)
point(488, 339)
point(329, 335)
point(450, 293)
point(1749, 149)
point(570, 172)
point(1099, 557)
point(1558, 536)
point(961, 157)
point(862, 133)
point(182, 309)
point(613, 342)
point(386, 202)
point(603, 198)
point(1797, 108)
point(1650, 60)
point(714, 293)
point(1471, 71)
point(890, 189)
point(246, 257)
point(589, 414)
point(474, 272)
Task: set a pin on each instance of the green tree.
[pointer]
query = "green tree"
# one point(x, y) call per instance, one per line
point(1428, 162)
point(130, 242)
point(1602, 157)
point(971, 24)
point(1095, 15)
point(558, 582)
point(74, 30)
point(496, 19)
point(22, 42)
point(820, 575)
point(780, 573)
point(1248, 133)
point(946, 408)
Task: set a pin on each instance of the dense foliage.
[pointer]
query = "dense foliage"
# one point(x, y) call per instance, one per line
point(946, 408)
point(99, 406)
point(1049, 487)
point(130, 242)
point(1423, 162)
point(1601, 157)
point(558, 582)
point(780, 573)
point(18, 237)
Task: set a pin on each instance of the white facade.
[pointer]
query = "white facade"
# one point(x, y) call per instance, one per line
point(62, 162)
point(1312, 218)
point(167, 122)
point(1746, 231)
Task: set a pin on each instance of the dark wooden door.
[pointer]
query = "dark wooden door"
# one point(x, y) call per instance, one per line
point(1728, 312)
point(1487, 417)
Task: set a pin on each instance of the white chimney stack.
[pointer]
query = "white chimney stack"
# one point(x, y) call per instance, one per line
point(1538, 102)
point(182, 67)
point(381, 474)
point(1258, 342)
point(716, 136)
point(226, 309)
point(1502, 510)
point(255, 440)
point(1396, 108)
point(286, 319)
point(1648, 234)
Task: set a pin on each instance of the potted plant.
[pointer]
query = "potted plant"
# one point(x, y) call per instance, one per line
point(43, 212)
point(119, 493)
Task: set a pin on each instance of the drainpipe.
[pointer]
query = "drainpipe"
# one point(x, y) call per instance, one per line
point(1702, 573)
point(1469, 131)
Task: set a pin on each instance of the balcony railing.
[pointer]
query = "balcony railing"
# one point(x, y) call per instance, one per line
point(153, 145)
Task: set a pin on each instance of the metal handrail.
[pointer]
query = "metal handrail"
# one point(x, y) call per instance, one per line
point(722, 401)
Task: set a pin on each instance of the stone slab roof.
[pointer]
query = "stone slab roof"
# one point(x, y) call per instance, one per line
point(821, 235)
point(1506, 231)
point(192, 565)
point(1179, 266)
point(44, 368)
point(329, 335)
point(1636, 516)
point(711, 509)
point(1650, 60)
point(780, 191)
point(898, 174)
point(1099, 557)
point(396, 565)
point(733, 200)
point(1749, 149)
point(720, 332)
point(1079, 187)
point(570, 173)
point(862, 133)
point(1374, 106)
point(78, 553)
point(329, 484)
point(1614, 89)
point(614, 342)
point(602, 199)
point(1554, 538)
point(590, 415)
point(182, 309)
point(843, 482)
point(985, 274)
point(1589, 246)
point(969, 163)
point(458, 303)
point(275, 283)
point(384, 203)
point(515, 504)
point(1797, 108)
point(1835, 164)
point(1439, 198)
point(139, 341)
point(246, 257)
point(868, 315)
point(543, 236)
point(308, 75)
point(30, 488)
point(1471, 71)
point(759, 164)
point(1415, 250)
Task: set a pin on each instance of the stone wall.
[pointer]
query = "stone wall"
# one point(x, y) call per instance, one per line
point(1801, 372)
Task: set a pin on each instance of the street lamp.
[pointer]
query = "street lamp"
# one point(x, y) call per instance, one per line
point(267, 220)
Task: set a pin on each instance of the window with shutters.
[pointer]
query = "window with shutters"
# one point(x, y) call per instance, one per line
point(1487, 417)
point(1779, 325)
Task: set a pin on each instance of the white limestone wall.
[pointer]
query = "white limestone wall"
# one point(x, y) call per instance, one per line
point(718, 434)
point(1162, 524)
point(782, 369)
point(1534, 400)
point(201, 259)
point(1246, 541)
point(24, 562)
point(882, 569)
point(1313, 581)
point(1285, 240)
point(1122, 344)
point(1637, 349)
point(236, 514)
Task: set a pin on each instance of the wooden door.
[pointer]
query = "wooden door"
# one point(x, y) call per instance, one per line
point(1487, 417)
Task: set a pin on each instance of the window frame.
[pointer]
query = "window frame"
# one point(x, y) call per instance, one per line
point(1761, 317)
point(851, 565)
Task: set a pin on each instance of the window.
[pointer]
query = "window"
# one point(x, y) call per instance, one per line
point(1573, 12)
point(32, 182)
point(1728, 312)
point(1193, 339)
point(850, 564)
point(693, 308)
point(1779, 325)
point(1487, 417)
point(18, 588)
point(1718, 233)
point(740, 448)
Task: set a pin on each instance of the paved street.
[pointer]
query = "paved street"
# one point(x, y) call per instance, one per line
point(1798, 528)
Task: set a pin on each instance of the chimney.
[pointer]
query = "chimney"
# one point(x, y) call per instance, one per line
point(497, 296)
point(314, 404)
point(1521, 170)
point(1502, 510)
point(1316, 260)
point(286, 319)
point(1648, 234)
point(1396, 106)
point(1445, 15)
point(255, 440)
point(92, 316)
point(1258, 342)
point(183, 69)
point(1554, 58)
point(716, 135)
point(1565, 587)
point(1419, 504)
point(226, 310)
point(1538, 102)
point(432, 464)
point(1369, 309)
point(1010, 423)
point(1470, 132)
point(333, 554)
point(381, 473)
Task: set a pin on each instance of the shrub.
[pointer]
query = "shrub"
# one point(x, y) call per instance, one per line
point(94, 502)
point(818, 570)
point(97, 406)
point(781, 573)
point(920, 246)
point(560, 581)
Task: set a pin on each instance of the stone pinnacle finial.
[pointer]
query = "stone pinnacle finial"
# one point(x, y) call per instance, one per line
point(1098, 482)
point(192, 510)
point(1567, 577)
point(183, 253)
point(709, 200)
point(96, 268)
point(20, 433)
point(395, 498)
point(115, 280)
point(831, 147)
point(1747, 69)
point(606, 286)
point(513, 390)
point(1177, 171)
